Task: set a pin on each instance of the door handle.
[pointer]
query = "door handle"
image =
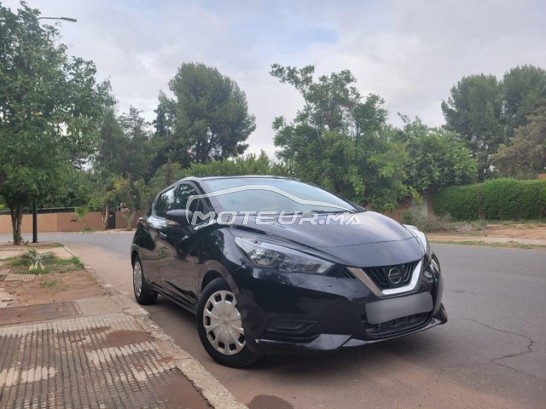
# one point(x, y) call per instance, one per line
point(162, 235)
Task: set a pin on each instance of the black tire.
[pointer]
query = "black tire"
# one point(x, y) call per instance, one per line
point(225, 343)
point(143, 293)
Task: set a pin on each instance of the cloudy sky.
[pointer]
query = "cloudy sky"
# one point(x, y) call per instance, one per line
point(410, 52)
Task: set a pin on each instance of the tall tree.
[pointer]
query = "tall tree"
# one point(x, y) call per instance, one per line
point(167, 148)
point(340, 140)
point(485, 112)
point(112, 152)
point(525, 156)
point(207, 120)
point(49, 107)
point(122, 162)
point(473, 111)
point(137, 133)
point(524, 90)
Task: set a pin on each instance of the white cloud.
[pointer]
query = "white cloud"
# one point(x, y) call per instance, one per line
point(408, 52)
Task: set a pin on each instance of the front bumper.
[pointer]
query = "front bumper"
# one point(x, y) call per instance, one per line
point(331, 342)
point(303, 312)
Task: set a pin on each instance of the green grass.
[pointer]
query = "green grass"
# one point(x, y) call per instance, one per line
point(510, 244)
point(33, 262)
point(74, 261)
point(48, 283)
point(48, 244)
point(55, 244)
point(16, 262)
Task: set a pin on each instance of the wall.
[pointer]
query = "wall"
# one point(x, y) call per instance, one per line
point(121, 222)
point(62, 222)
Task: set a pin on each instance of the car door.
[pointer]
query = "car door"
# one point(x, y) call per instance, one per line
point(152, 249)
point(180, 257)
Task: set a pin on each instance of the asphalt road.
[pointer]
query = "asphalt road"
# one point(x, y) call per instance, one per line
point(491, 353)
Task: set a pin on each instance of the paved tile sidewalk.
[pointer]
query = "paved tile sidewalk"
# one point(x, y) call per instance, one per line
point(102, 352)
point(98, 361)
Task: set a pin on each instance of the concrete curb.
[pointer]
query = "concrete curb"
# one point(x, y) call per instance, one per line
point(210, 388)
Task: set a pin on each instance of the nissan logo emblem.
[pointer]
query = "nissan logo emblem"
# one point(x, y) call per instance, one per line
point(394, 276)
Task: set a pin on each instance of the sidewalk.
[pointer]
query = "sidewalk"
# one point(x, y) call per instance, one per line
point(100, 352)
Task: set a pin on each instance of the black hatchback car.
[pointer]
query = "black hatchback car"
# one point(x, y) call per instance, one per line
point(271, 265)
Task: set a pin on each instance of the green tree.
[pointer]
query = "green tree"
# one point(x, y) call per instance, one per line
point(130, 194)
point(125, 146)
point(525, 155)
point(75, 189)
point(339, 140)
point(436, 158)
point(485, 111)
point(112, 152)
point(249, 164)
point(207, 120)
point(137, 133)
point(473, 111)
point(524, 90)
point(49, 106)
point(167, 148)
point(122, 163)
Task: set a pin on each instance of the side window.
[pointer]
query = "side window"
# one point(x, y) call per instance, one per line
point(164, 203)
point(182, 196)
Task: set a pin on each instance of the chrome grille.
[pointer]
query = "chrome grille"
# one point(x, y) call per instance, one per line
point(343, 273)
point(379, 275)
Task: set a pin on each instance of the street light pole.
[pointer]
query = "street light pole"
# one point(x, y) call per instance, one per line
point(34, 202)
point(73, 20)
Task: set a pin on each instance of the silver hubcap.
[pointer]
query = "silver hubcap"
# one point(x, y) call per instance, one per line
point(137, 278)
point(222, 322)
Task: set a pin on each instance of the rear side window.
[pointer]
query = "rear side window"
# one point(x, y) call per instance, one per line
point(164, 203)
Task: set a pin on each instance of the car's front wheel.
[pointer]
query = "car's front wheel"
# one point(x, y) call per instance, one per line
point(220, 326)
point(143, 293)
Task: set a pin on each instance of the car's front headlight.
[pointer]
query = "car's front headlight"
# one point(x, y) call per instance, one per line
point(269, 255)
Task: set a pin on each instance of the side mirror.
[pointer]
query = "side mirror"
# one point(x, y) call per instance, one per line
point(181, 216)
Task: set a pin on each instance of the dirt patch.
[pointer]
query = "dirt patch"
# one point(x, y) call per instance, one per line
point(517, 231)
point(55, 287)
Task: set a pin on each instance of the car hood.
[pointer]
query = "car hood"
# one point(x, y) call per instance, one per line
point(362, 239)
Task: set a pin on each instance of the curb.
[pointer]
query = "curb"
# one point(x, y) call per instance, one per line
point(216, 394)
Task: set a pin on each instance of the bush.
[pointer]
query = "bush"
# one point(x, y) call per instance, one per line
point(428, 224)
point(498, 199)
point(36, 260)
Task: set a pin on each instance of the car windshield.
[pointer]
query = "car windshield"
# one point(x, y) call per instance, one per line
point(271, 194)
